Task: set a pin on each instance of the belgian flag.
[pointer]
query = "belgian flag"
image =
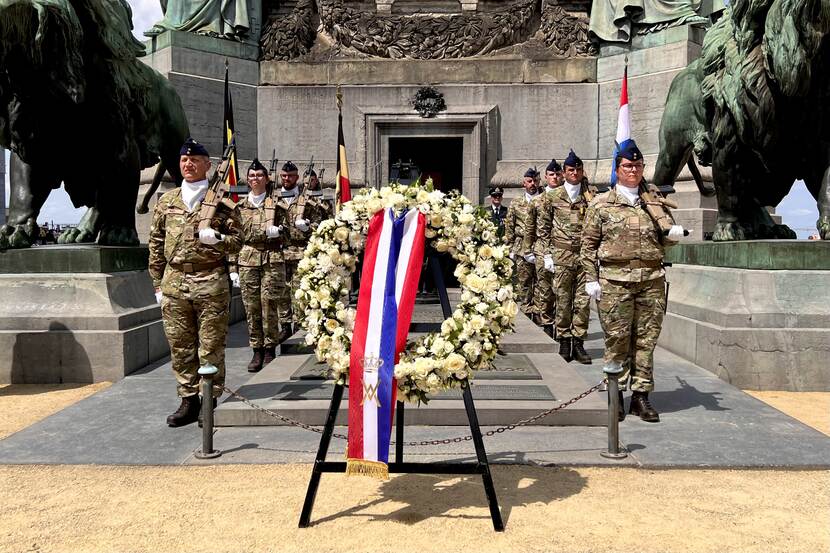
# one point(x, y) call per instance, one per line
point(343, 190)
point(233, 174)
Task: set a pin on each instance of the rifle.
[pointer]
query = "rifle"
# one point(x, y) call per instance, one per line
point(218, 191)
point(303, 196)
point(273, 197)
point(658, 207)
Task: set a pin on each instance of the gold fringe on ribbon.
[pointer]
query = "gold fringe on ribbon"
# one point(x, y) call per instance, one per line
point(363, 467)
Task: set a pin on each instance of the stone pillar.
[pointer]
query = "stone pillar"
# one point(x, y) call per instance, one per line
point(2, 186)
point(469, 5)
point(384, 6)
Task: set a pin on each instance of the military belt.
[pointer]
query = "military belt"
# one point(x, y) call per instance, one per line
point(196, 267)
point(568, 246)
point(633, 263)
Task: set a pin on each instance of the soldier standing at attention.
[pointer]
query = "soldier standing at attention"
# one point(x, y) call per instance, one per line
point(316, 200)
point(544, 297)
point(257, 275)
point(562, 231)
point(498, 212)
point(622, 254)
point(298, 219)
point(188, 268)
point(514, 233)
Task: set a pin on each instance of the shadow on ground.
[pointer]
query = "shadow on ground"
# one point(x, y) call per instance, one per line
point(685, 397)
point(516, 486)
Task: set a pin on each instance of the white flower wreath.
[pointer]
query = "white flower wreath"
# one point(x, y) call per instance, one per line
point(467, 341)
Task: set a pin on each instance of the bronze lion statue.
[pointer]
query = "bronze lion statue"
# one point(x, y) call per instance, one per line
point(78, 107)
point(756, 108)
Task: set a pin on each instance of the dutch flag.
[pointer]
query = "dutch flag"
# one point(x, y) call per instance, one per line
point(623, 126)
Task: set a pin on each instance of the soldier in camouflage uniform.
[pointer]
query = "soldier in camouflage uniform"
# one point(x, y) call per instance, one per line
point(622, 254)
point(298, 219)
point(188, 268)
point(560, 230)
point(514, 233)
point(544, 297)
point(257, 276)
point(316, 199)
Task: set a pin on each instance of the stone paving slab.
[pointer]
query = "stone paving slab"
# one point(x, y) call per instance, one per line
point(705, 423)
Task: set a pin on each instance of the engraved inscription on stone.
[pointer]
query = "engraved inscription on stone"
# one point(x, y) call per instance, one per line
point(513, 366)
point(321, 391)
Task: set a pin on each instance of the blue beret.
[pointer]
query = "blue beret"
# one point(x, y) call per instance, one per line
point(630, 151)
point(553, 166)
point(193, 148)
point(531, 172)
point(289, 167)
point(257, 165)
point(572, 160)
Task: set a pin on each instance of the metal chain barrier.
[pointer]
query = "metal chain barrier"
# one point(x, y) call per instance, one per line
point(458, 439)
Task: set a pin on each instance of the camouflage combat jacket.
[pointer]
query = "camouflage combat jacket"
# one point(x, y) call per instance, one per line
point(325, 206)
point(560, 226)
point(541, 203)
point(294, 240)
point(621, 242)
point(179, 263)
point(516, 225)
point(257, 249)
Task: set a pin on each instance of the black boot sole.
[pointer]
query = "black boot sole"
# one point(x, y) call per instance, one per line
point(177, 424)
point(643, 416)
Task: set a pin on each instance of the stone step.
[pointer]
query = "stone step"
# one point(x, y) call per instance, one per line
point(527, 380)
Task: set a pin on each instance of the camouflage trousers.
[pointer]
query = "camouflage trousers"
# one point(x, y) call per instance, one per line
point(259, 294)
point(525, 284)
point(572, 309)
point(631, 314)
point(544, 297)
point(283, 276)
point(196, 330)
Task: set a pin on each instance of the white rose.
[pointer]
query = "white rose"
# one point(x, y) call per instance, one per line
point(454, 362)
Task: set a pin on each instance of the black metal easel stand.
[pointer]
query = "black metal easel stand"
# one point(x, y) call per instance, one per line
point(481, 466)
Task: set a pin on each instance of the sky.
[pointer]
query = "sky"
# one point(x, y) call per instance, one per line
point(798, 210)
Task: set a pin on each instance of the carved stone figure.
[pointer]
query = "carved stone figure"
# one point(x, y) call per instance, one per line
point(78, 107)
point(216, 18)
point(755, 107)
point(612, 20)
point(286, 38)
point(565, 34)
point(437, 36)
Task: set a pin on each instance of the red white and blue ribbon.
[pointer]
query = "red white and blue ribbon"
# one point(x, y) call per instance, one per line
point(388, 285)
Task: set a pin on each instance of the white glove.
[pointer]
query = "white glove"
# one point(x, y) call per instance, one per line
point(594, 290)
point(512, 256)
point(234, 279)
point(530, 258)
point(273, 232)
point(549, 263)
point(676, 231)
point(301, 224)
point(208, 236)
point(159, 295)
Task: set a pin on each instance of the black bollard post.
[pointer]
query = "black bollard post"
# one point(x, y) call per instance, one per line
point(614, 451)
point(207, 452)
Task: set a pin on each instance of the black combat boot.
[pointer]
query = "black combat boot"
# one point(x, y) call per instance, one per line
point(270, 354)
point(285, 332)
point(579, 352)
point(256, 361)
point(187, 412)
point(549, 330)
point(200, 411)
point(641, 406)
point(565, 349)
